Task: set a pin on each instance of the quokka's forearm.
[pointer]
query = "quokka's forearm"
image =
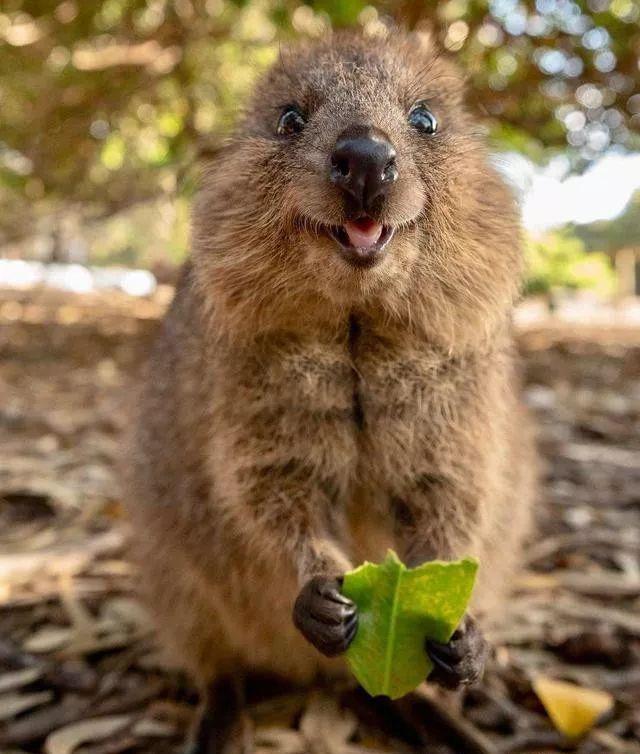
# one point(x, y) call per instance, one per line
point(447, 510)
point(435, 522)
point(441, 508)
point(276, 525)
point(284, 451)
point(281, 503)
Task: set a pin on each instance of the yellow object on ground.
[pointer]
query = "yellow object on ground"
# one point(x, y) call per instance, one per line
point(574, 710)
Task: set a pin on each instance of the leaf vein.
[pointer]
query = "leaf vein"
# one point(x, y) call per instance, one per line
point(392, 633)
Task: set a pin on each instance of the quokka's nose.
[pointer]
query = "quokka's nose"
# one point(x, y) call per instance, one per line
point(363, 165)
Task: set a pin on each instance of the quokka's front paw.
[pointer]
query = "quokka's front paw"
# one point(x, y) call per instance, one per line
point(461, 661)
point(324, 616)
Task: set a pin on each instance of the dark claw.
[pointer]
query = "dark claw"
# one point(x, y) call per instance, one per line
point(445, 652)
point(324, 616)
point(352, 622)
point(330, 588)
point(461, 661)
point(350, 630)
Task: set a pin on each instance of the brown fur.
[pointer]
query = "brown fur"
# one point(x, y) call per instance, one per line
point(300, 415)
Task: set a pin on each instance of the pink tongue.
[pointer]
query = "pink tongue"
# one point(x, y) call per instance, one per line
point(363, 233)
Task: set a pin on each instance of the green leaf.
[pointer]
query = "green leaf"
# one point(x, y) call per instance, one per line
point(399, 608)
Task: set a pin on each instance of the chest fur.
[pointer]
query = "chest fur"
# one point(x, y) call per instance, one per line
point(355, 411)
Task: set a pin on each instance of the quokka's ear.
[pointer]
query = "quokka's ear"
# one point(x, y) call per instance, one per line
point(426, 38)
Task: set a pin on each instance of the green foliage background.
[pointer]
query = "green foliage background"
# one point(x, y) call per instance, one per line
point(560, 260)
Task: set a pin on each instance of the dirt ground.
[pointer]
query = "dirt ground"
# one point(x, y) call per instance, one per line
point(78, 669)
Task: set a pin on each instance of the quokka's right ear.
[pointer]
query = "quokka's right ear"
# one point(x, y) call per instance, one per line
point(430, 38)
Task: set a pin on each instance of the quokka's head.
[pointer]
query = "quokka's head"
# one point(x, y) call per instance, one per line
point(354, 167)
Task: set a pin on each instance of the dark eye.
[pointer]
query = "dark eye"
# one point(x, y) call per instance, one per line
point(291, 122)
point(422, 119)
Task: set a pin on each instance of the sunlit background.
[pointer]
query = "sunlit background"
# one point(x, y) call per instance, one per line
point(106, 109)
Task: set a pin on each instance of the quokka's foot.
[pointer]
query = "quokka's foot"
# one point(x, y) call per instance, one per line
point(220, 726)
point(325, 617)
point(461, 661)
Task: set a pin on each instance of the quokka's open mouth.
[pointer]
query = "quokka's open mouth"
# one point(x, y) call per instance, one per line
point(361, 242)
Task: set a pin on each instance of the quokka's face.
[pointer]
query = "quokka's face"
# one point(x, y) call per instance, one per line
point(358, 149)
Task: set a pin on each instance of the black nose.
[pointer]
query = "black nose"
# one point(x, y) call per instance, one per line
point(363, 165)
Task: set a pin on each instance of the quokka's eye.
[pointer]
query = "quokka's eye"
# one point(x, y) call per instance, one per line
point(291, 121)
point(422, 119)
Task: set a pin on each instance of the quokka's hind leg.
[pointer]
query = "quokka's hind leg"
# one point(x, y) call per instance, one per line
point(221, 724)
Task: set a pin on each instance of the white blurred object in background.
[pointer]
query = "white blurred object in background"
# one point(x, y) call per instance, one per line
point(18, 273)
